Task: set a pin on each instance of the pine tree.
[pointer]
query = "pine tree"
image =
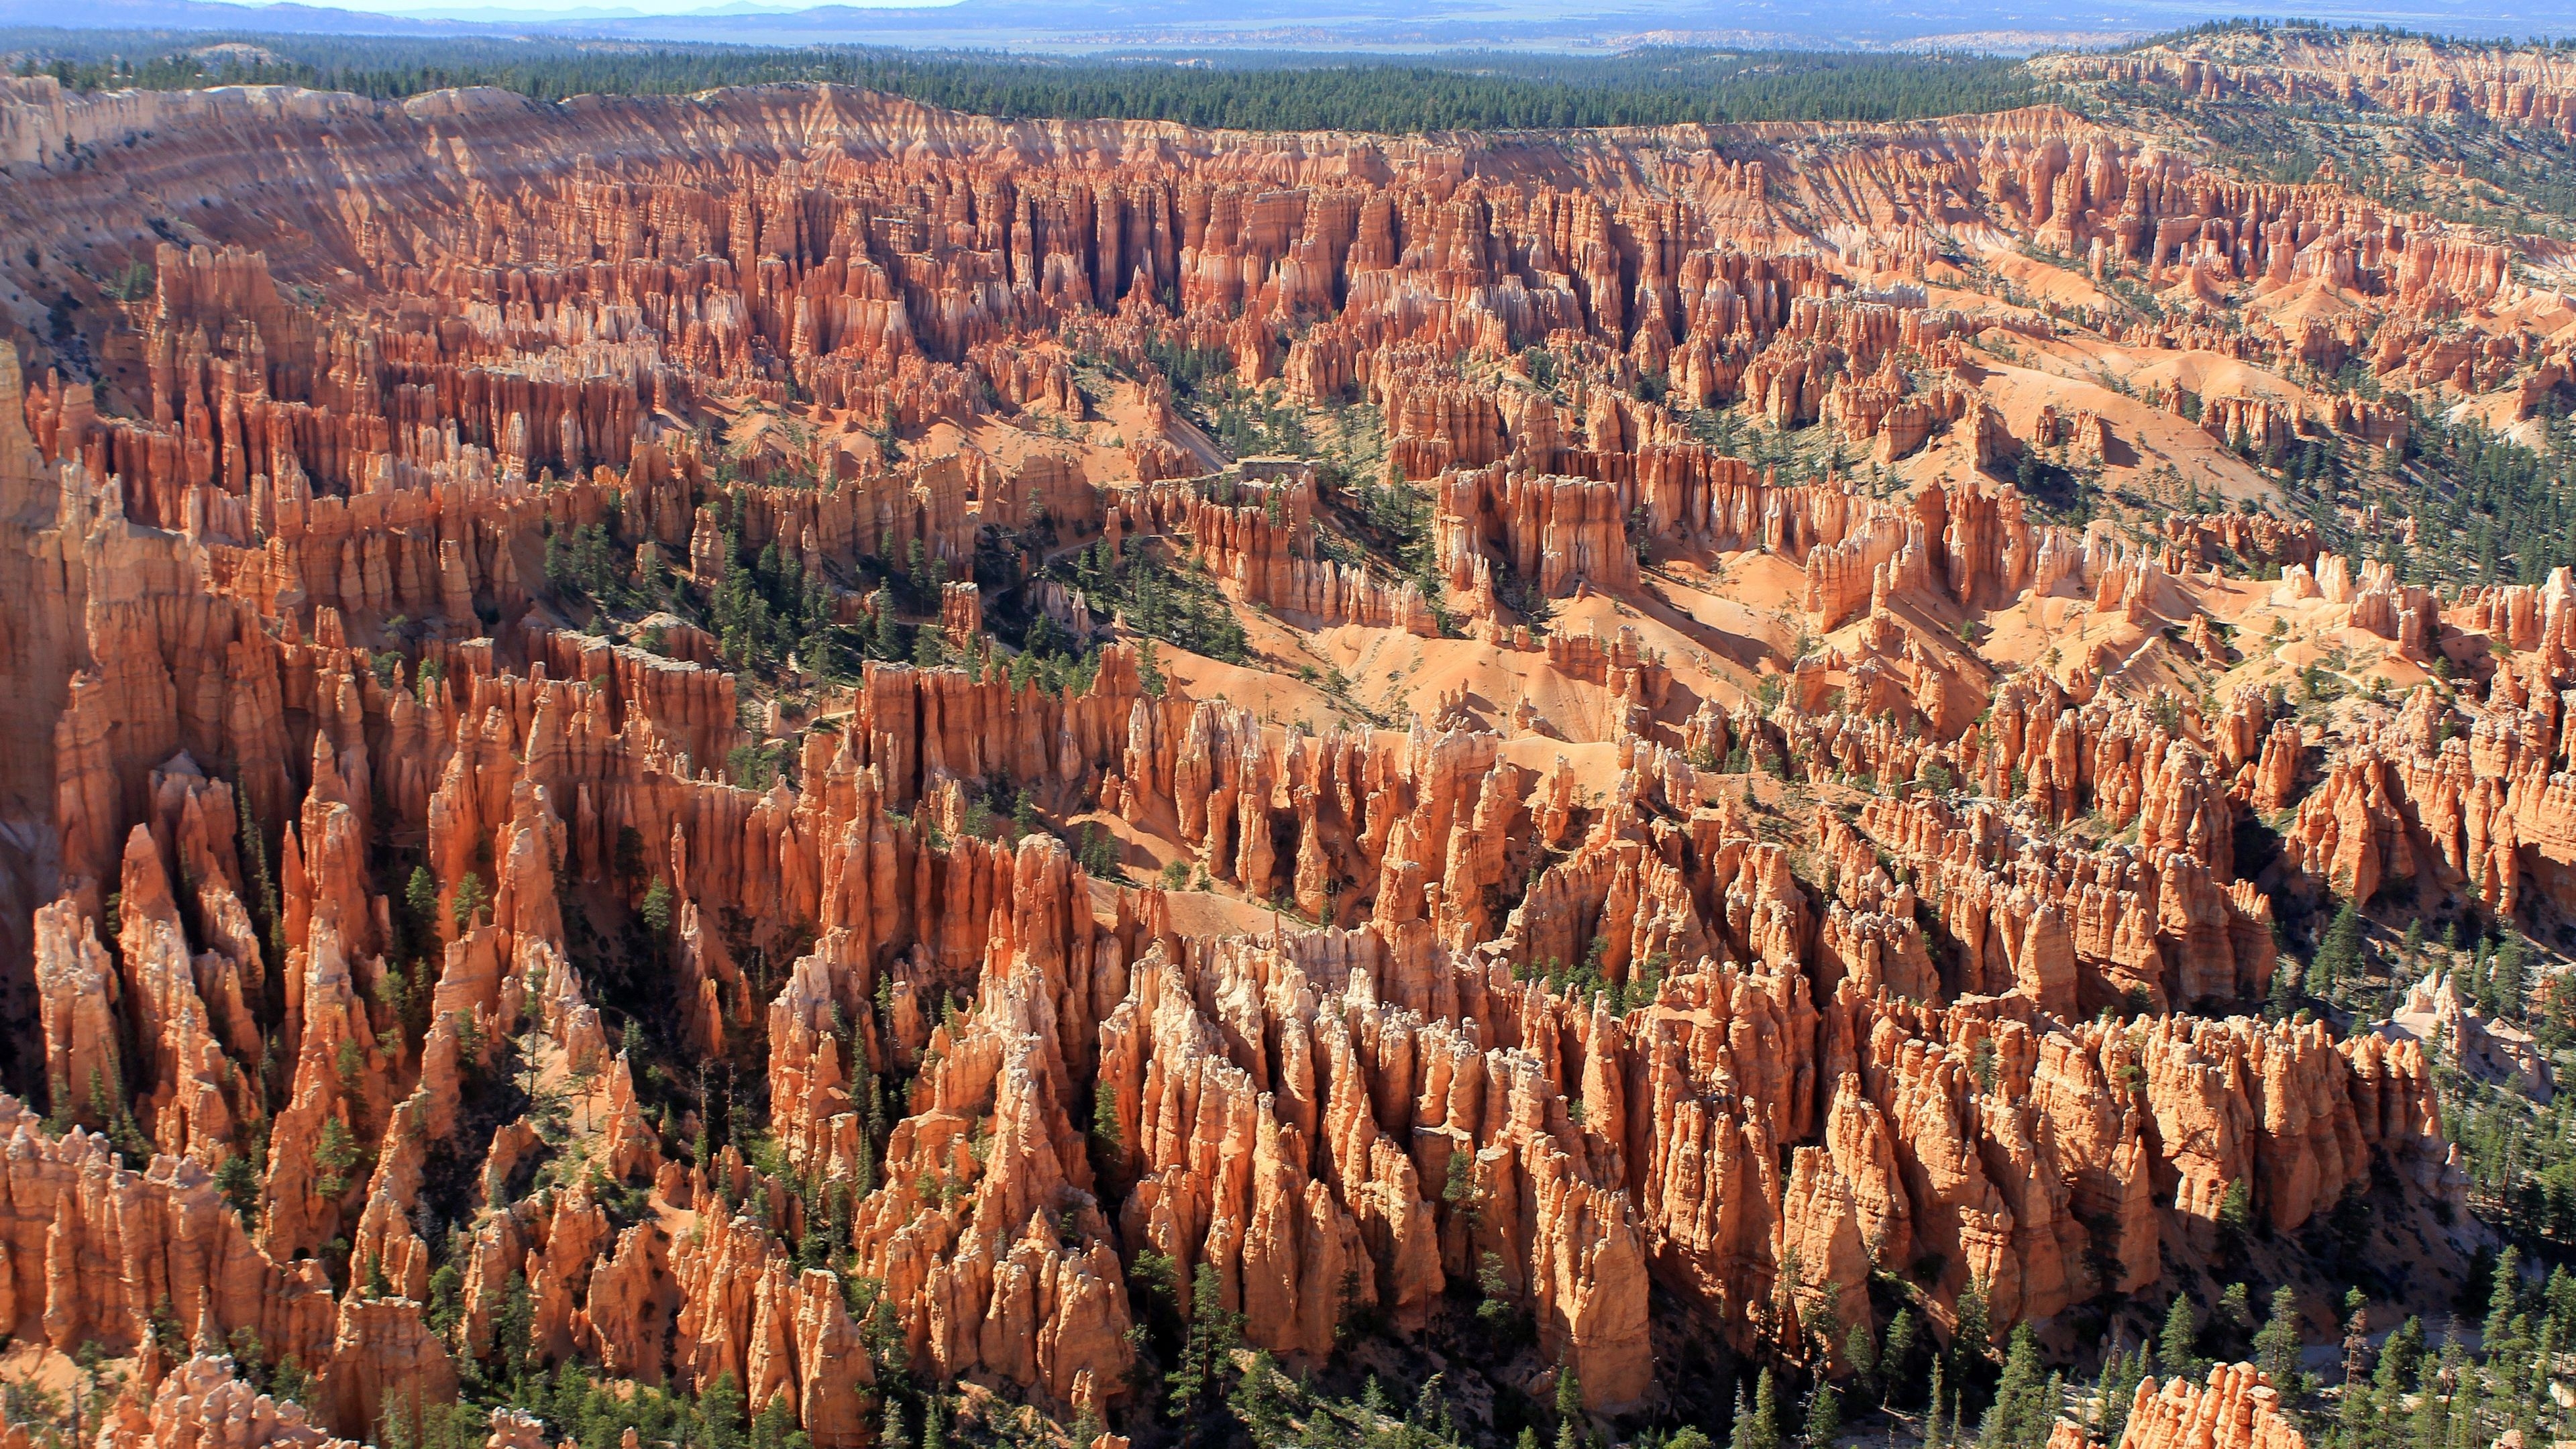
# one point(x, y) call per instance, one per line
point(2468, 1419)
point(1975, 1335)
point(2235, 1219)
point(2177, 1347)
point(720, 1413)
point(2021, 1414)
point(1824, 1415)
point(2285, 988)
point(2339, 954)
point(1895, 1358)
point(1149, 673)
point(2508, 976)
point(1766, 1413)
point(2544, 1357)
point(470, 900)
point(775, 1427)
point(1259, 1404)
point(1207, 1350)
point(2437, 1395)
point(2235, 1311)
point(656, 910)
point(2395, 1375)
point(2276, 1344)
point(420, 895)
point(1862, 1353)
point(2356, 1335)
point(238, 1181)
point(2504, 1301)
point(885, 639)
point(2117, 1391)
point(2432, 1426)
point(1105, 1131)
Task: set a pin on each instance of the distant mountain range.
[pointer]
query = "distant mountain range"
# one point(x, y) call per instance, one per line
point(1367, 25)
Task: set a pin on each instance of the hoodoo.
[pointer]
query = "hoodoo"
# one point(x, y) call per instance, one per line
point(784, 767)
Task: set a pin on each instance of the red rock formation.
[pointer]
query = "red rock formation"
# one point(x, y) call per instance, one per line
point(2254, 538)
point(396, 534)
point(2238, 1409)
point(201, 1404)
point(93, 1247)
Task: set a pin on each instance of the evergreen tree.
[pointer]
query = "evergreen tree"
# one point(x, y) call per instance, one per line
point(2117, 1391)
point(238, 1181)
point(2276, 1344)
point(512, 1329)
point(2236, 1308)
point(2432, 1423)
point(2403, 1353)
point(885, 640)
point(656, 910)
point(2504, 1300)
point(2285, 988)
point(1105, 1131)
point(2356, 1335)
point(2177, 1348)
point(1895, 1360)
point(2544, 1358)
point(775, 1427)
point(1975, 1335)
point(2398, 1358)
point(2508, 977)
point(1861, 1351)
point(2467, 1408)
point(2022, 1412)
point(1759, 1426)
point(470, 900)
point(2339, 954)
point(1824, 1415)
point(720, 1413)
point(1259, 1403)
point(2235, 1219)
point(1207, 1351)
point(421, 896)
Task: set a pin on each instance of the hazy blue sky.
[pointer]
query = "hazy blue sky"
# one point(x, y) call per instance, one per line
point(1391, 25)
